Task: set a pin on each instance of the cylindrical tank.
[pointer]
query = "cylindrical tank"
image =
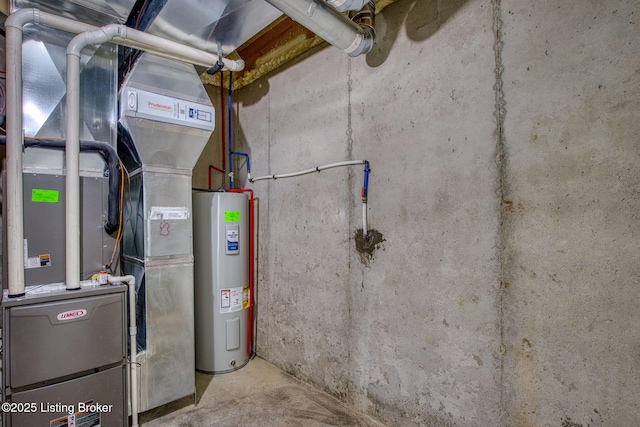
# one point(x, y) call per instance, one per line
point(221, 273)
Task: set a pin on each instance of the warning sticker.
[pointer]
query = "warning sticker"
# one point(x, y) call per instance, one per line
point(43, 260)
point(231, 300)
point(78, 419)
point(225, 300)
point(246, 297)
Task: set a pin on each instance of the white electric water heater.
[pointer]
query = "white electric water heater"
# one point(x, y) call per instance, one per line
point(221, 273)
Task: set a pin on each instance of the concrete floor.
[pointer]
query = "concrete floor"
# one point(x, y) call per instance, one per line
point(259, 394)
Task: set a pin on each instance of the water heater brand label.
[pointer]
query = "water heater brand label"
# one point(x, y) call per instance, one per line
point(72, 314)
point(232, 240)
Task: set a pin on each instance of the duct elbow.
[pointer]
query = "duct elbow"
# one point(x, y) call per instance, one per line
point(365, 20)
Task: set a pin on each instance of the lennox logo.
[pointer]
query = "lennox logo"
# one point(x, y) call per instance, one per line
point(73, 314)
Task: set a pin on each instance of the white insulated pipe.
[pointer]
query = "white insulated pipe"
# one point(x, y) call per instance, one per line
point(120, 34)
point(72, 180)
point(332, 26)
point(365, 229)
point(312, 170)
point(15, 230)
point(133, 364)
point(172, 50)
point(344, 5)
point(14, 191)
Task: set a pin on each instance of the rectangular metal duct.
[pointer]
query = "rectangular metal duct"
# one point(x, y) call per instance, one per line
point(97, 12)
point(207, 24)
point(204, 24)
point(169, 117)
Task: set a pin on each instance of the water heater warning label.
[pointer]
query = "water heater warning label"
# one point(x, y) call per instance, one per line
point(231, 300)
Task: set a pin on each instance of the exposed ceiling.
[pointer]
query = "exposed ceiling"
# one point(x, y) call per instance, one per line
point(249, 29)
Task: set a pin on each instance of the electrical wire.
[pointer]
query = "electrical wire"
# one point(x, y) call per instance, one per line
point(121, 208)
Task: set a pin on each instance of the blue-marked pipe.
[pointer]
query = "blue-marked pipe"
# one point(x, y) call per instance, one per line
point(230, 110)
point(365, 185)
point(365, 196)
point(238, 153)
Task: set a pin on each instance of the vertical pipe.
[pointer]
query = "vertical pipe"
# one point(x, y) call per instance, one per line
point(230, 110)
point(251, 261)
point(72, 178)
point(133, 370)
point(133, 331)
point(15, 231)
point(223, 124)
point(365, 198)
point(250, 344)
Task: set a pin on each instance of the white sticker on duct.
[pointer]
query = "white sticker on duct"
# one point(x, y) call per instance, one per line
point(168, 213)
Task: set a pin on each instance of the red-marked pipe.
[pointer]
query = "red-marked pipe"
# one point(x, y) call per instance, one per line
point(213, 168)
point(251, 258)
point(222, 124)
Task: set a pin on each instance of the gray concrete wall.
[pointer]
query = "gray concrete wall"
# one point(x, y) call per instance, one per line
point(505, 291)
point(571, 272)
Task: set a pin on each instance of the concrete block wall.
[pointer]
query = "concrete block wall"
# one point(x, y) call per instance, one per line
point(503, 138)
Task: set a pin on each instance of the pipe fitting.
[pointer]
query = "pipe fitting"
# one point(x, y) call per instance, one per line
point(334, 27)
point(345, 5)
point(365, 20)
point(95, 38)
point(20, 18)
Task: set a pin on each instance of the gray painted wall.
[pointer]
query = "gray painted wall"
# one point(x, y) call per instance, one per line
point(506, 290)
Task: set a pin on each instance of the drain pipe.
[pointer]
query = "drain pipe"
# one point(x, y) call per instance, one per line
point(133, 364)
point(15, 231)
point(351, 37)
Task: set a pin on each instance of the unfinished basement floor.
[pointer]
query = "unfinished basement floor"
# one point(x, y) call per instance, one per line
point(259, 394)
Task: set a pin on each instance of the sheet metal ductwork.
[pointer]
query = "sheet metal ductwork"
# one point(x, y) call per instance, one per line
point(168, 117)
point(224, 25)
